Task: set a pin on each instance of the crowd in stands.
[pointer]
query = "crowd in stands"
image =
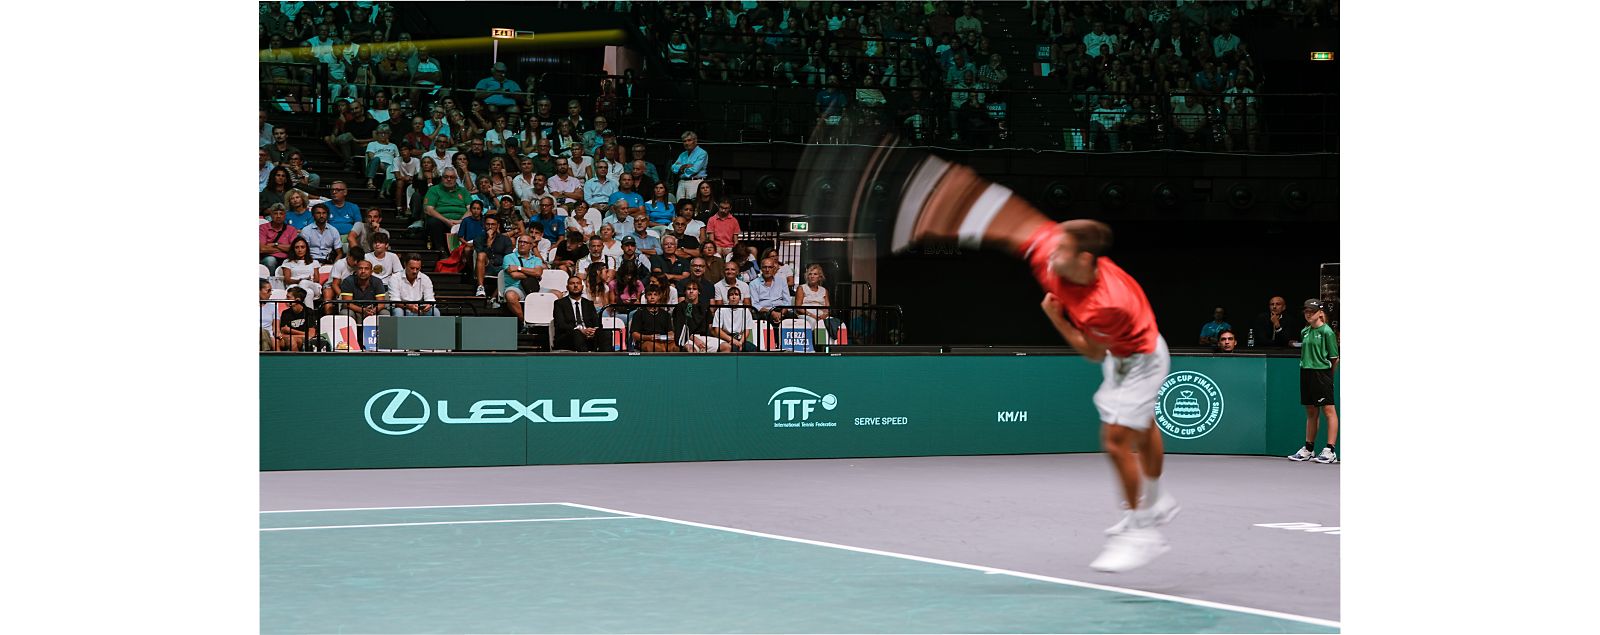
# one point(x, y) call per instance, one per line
point(1140, 74)
point(511, 191)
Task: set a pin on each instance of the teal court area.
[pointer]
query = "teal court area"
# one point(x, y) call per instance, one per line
point(572, 568)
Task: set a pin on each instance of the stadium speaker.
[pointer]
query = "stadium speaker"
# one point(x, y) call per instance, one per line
point(770, 191)
point(1165, 197)
point(1057, 194)
point(1295, 197)
point(1241, 198)
point(1113, 196)
point(824, 189)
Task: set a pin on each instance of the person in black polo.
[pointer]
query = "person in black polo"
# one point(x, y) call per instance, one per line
point(491, 250)
point(365, 288)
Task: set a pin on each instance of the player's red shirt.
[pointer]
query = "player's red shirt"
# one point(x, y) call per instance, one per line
point(1113, 311)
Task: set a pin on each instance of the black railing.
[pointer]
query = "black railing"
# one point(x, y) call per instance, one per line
point(1035, 119)
point(794, 329)
point(339, 325)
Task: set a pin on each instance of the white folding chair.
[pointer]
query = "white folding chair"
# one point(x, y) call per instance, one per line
point(341, 332)
point(792, 325)
point(553, 280)
point(540, 309)
point(275, 281)
point(323, 273)
point(370, 321)
point(619, 332)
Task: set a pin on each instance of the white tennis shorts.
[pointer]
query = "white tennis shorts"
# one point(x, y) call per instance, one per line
point(1127, 394)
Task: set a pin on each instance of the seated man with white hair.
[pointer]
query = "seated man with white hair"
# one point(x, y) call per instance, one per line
point(411, 291)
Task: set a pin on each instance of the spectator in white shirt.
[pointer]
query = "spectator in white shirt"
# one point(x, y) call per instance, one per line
point(1097, 41)
point(381, 153)
point(730, 281)
point(411, 292)
point(1107, 121)
point(384, 263)
point(565, 187)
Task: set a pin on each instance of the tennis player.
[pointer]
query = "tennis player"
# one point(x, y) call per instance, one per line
point(1096, 307)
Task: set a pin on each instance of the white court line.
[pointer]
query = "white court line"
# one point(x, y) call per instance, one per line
point(1030, 576)
point(453, 522)
point(358, 509)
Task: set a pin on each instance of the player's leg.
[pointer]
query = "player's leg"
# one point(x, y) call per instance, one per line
point(1312, 414)
point(1327, 455)
point(1119, 443)
point(1135, 541)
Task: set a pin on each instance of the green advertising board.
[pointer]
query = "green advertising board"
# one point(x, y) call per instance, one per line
point(373, 410)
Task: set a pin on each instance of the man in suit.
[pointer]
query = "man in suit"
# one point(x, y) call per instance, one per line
point(577, 324)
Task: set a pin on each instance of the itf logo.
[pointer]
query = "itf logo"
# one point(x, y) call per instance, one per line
point(792, 406)
point(1189, 405)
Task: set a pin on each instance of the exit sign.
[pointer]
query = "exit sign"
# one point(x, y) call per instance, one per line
point(799, 226)
point(503, 34)
point(1322, 56)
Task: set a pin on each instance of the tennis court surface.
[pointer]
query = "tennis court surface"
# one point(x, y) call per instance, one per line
point(572, 567)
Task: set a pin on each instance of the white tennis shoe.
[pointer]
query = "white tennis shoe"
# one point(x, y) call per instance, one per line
point(1134, 547)
point(1162, 512)
point(1302, 455)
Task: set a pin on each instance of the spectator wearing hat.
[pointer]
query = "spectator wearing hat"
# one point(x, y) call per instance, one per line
point(498, 91)
point(631, 253)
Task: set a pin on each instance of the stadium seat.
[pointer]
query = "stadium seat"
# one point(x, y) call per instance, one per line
point(369, 324)
point(539, 309)
point(619, 332)
point(553, 280)
point(341, 332)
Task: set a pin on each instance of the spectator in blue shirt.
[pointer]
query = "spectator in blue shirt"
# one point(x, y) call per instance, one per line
point(768, 292)
point(342, 214)
point(690, 168)
point(1218, 324)
point(625, 191)
point(497, 91)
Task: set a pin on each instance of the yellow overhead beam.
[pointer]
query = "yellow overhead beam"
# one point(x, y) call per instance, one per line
point(451, 46)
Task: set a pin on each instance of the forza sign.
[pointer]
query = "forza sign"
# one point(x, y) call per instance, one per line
point(400, 411)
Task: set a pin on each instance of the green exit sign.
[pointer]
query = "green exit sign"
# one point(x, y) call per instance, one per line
point(1322, 56)
point(799, 226)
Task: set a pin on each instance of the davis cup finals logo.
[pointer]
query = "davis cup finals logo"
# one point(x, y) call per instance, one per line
point(1189, 405)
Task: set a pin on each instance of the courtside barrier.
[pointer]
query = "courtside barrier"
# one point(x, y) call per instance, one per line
point(394, 410)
